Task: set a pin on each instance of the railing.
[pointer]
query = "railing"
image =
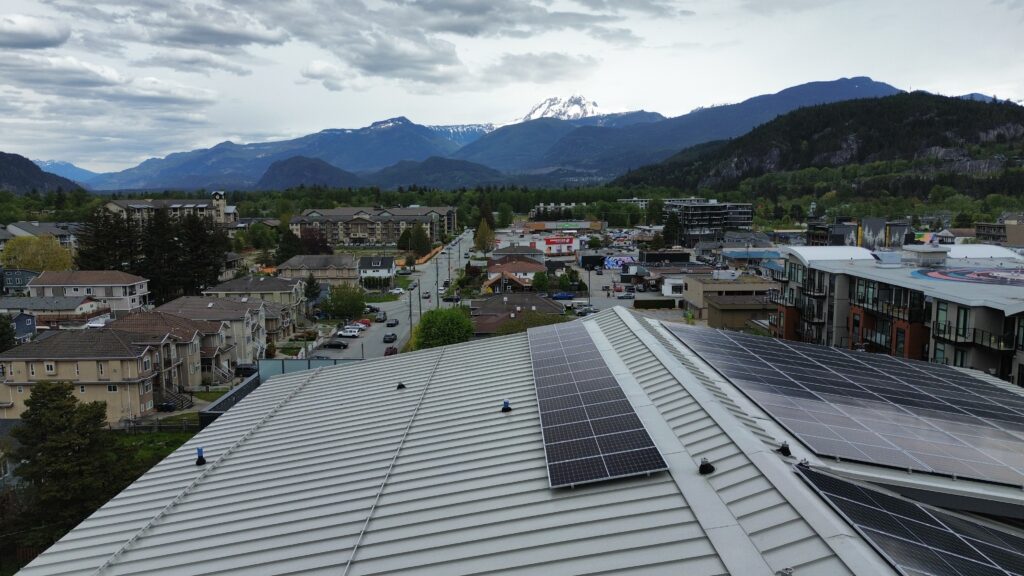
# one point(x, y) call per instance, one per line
point(883, 339)
point(1000, 342)
point(943, 361)
point(811, 310)
point(814, 289)
point(781, 298)
point(891, 310)
point(952, 333)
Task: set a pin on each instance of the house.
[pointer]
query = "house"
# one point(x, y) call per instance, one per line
point(661, 456)
point(141, 210)
point(123, 293)
point(16, 281)
point(489, 314)
point(232, 263)
point(517, 250)
point(290, 293)
point(190, 349)
point(4, 237)
point(328, 269)
point(381, 268)
point(64, 232)
point(511, 273)
point(24, 326)
point(246, 338)
point(58, 312)
point(103, 365)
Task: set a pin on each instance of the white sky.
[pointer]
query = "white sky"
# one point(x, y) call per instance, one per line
point(107, 83)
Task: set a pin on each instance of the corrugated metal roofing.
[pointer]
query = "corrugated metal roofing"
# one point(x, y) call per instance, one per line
point(335, 471)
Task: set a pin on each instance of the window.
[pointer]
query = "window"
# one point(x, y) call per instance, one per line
point(32, 368)
point(962, 317)
point(21, 389)
point(940, 353)
point(99, 368)
point(959, 356)
point(901, 341)
point(88, 291)
point(941, 313)
point(146, 364)
point(81, 389)
point(78, 371)
point(111, 387)
point(50, 367)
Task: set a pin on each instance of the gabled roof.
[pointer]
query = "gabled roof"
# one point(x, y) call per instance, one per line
point(57, 303)
point(319, 262)
point(336, 469)
point(155, 323)
point(255, 284)
point(376, 262)
point(86, 278)
point(47, 228)
point(210, 307)
point(517, 250)
point(78, 344)
point(523, 266)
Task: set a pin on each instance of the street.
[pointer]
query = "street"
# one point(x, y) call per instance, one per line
point(429, 278)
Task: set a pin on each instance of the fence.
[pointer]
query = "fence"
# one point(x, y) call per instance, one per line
point(225, 402)
point(136, 426)
point(274, 366)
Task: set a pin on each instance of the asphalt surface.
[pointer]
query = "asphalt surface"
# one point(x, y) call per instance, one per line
point(429, 278)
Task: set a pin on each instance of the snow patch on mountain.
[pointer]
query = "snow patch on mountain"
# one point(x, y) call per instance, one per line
point(572, 108)
point(462, 134)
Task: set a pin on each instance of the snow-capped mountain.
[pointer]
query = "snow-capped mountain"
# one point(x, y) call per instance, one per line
point(572, 108)
point(65, 169)
point(463, 134)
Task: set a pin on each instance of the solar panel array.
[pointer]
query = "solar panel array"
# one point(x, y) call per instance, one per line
point(872, 407)
point(590, 429)
point(918, 539)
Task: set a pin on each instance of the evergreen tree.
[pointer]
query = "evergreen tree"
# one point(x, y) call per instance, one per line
point(289, 245)
point(106, 241)
point(404, 239)
point(203, 245)
point(540, 282)
point(161, 258)
point(671, 230)
point(312, 290)
point(419, 242)
point(505, 215)
point(6, 333)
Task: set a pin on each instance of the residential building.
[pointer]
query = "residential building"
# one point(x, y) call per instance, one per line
point(328, 269)
point(123, 293)
point(4, 237)
point(531, 252)
point(102, 365)
point(24, 326)
point(556, 210)
point(690, 290)
point(141, 210)
point(373, 226)
point(703, 219)
point(640, 203)
point(16, 281)
point(952, 304)
point(245, 341)
point(736, 312)
point(410, 464)
point(233, 262)
point(381, 268)
point(512, 273)
point(289, 293)
point(58, 312)
point(1008, 232)
point(870, 233)
point(490, 313)
point(64, 232)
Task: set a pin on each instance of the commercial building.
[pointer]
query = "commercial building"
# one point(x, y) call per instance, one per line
point(951, 304)
point(690, 290)
point(373, 226)
point(123, 293)
point(141, 210)
point(870, 233)
point(703, 219)
point(464, 460)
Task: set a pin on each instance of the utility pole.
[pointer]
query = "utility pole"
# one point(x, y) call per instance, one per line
point(419, 296)
point(437, 283)
point(410, 307)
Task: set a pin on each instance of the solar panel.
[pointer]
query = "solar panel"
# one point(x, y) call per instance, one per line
point(918, 539)
point(872, 407)
point(591, 432)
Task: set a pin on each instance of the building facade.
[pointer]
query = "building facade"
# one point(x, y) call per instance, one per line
point(216, 208)
point(245, 340)
point(58, 312)
point(703, 219)
point(329, 269)
point(123, 293)
point(373, 226)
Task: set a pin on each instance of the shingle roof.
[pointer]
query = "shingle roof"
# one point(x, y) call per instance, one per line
point(335, 470)
point(376, 262)
point(518, 250)
point(516, 267)
point(47, 228)
point(318, 262)
point(249, 284)
point(71, 344)
point(209, 307)
point(86, 278)
point(56, 303)
point(155, 322)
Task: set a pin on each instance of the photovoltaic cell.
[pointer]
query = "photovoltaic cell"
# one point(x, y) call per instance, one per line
point(872, 407)
point(919, 539)
point(590, 429)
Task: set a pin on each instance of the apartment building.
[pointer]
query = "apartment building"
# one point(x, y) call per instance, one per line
point(245, 340)
point(58, 312)
point(216, 208)
point(103, 365)
point(373, 226)
point(329, 269)
point(123, 293)
point(952, 304)
point(704, 219)
point(64, 232)
point(290, 293)
point(1007, 230)
point(640, 203)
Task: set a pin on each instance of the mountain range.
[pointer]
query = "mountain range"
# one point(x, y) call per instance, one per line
point(558, 142)
point(19, 175)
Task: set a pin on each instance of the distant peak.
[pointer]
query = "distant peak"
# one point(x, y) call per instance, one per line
point(573, 107)
point(391, 123)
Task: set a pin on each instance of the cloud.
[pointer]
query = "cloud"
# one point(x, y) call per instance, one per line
point(539, 68)
point(19, 31)
point(324, 72)
point(660, 8)
point(193, 61)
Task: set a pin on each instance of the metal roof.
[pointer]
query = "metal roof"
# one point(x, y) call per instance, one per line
point(981, 251)
point(808, 254)
point(337, 471)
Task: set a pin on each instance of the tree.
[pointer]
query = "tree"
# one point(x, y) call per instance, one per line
point(442, 327)
point(68, 460)
point(657, 242)
point(289, 245)
point(419, 242)
point(161, 259)
point(313, 242)
point(594, 243)
point(505, 215)
point(540, 282)
point(564, 282)
point(107, 241)
point(404, 239)
point(484, 238)
point(671, 230)
point(961, 220)
point(6, 333)
point(796, 213)
point(202, 244)
point(345, 301)
point(312, 290)
point(261, 237)
point(36, 253)
point(654, 210)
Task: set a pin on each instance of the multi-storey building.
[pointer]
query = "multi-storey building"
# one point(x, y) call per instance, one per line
point(640, 203)
point(289, 293)
point(123, 293)
point(104, 365)
point(216, 208)
point(59, 312)
point(246, 338)
point(64, 232)
point(960, 305)
point(1007, 230)
point(703, 219)
point(376, 226)
point(330, 269)
point(870, 233)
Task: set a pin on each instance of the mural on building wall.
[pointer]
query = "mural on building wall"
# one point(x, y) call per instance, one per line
point(999, 276)
point(617, 262)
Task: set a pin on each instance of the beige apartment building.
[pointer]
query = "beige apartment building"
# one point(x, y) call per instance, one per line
point(141, 210)
point(330, 269)
point(103, 365)
point(692, 289)
point(290, 293)
point(123, 293)
point(245, 340)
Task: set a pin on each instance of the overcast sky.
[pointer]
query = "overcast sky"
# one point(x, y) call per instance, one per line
point(108, 83)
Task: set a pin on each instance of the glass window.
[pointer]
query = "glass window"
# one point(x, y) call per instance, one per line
point(901, 339)
point(941, 311)
point(32, 368)
point(959, 357)
point(81, 389)
point(99, 368)
point(962, 317)
point(51, 368)
point(940, 353)
point(111, 387)
point(21, 389)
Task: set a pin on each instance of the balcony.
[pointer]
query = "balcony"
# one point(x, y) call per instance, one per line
point(952, 333)
point(999, 342)
point(879, 338)
point(814, 289)
point(781, 298)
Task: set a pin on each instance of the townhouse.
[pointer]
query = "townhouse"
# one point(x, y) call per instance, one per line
point(123, 293)
point(329, 269)
point(245, 340)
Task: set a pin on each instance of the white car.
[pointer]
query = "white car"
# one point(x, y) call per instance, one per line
point(349, 333)
point(397, 291)
point(356, 327)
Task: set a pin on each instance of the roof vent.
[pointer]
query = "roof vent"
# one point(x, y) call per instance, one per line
point(784, 450)
point(200, 461)
point(506, 406)
point(705, 467)
point(245, 298)
point(209, 305)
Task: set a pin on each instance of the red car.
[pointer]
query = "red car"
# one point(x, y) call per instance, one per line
point(390, 351)
point(365, 322)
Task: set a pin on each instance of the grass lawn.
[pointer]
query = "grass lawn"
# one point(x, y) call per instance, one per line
point(148, 448)
point(403, 282)
point(189, 417)
point(211, 395)
point(289, 350)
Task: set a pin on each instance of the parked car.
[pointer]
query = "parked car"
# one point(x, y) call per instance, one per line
point(626, 296)
point(390, 351)
point(465, 254)
point(586, 310)
point(599, 272)
point(397, 291)
point(619, 288)
point(246, 370)
point(356, 327)
point(426, 295)
point(390, 337)
point(364, 322)
point(452, 299)
point(320, 357)
point(370, 308)
point(606, 287)
point(630, 288)
point(392, 323)
point(349, 333)
point(381, 317)
point(404, 272)
point(446, 283)
point(413, 286)
point(337, 344)
point(166, 407)
point(562, 296)
point(641, 288)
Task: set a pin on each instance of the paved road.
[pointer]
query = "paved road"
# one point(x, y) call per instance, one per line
point(429, 278)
